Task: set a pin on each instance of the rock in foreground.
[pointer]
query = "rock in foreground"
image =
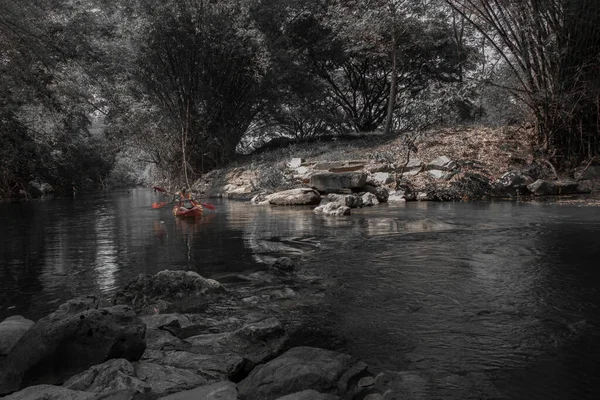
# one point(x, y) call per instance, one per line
point(299, 369)
point(147, 293)
point(65, 343)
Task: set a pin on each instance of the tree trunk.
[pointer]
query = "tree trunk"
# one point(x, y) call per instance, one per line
point(392, 98)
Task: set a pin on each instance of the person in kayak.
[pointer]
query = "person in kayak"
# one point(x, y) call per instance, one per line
point(185, 199)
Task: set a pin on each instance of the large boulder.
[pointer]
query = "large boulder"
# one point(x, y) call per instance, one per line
point(68, 341)
point(332, 182)
point(151, 294)
point(302, 368)
point(11, 329)
point(295, 197)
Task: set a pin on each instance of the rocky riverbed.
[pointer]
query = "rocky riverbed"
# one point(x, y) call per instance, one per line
point(177, 335)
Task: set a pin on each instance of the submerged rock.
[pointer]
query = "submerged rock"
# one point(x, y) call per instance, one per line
point(283, 265)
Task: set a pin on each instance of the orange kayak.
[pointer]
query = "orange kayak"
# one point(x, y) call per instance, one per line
point(180, 211)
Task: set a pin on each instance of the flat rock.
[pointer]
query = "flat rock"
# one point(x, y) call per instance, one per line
point(49, 392)
point(211, 367)
point(309, 395)
point(216, 391)
point(546, 188)
point(329, 181)
point(442, 163)
point(164, 379)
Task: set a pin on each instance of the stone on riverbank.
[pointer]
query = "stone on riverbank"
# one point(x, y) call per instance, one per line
point(11, 329)
point(295, 197)
point(302, 368)
point(546, 188)
point(348, 200)
point(65, 343)
point(149, 294)
point(332, 182)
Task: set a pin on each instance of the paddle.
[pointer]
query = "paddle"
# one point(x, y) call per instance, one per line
point(162, 204)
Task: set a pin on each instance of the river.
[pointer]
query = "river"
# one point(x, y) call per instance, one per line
point(501, 295)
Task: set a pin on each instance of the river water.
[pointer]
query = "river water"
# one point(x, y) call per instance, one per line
point(501, 296)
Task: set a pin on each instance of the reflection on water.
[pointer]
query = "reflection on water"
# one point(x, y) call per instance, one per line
point(505, 291)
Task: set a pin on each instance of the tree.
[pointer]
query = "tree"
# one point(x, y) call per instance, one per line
point(391, 47)
point(553, 48)
point(203, 63)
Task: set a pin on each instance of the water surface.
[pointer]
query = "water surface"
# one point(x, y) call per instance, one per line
point(501, 295)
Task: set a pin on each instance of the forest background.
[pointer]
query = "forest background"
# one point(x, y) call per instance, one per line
point(98, 94)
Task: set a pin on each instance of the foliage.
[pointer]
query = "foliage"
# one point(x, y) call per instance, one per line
point(552, 48)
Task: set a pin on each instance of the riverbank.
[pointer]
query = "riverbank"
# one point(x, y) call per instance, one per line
point(177, 335)
point(470, 163)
